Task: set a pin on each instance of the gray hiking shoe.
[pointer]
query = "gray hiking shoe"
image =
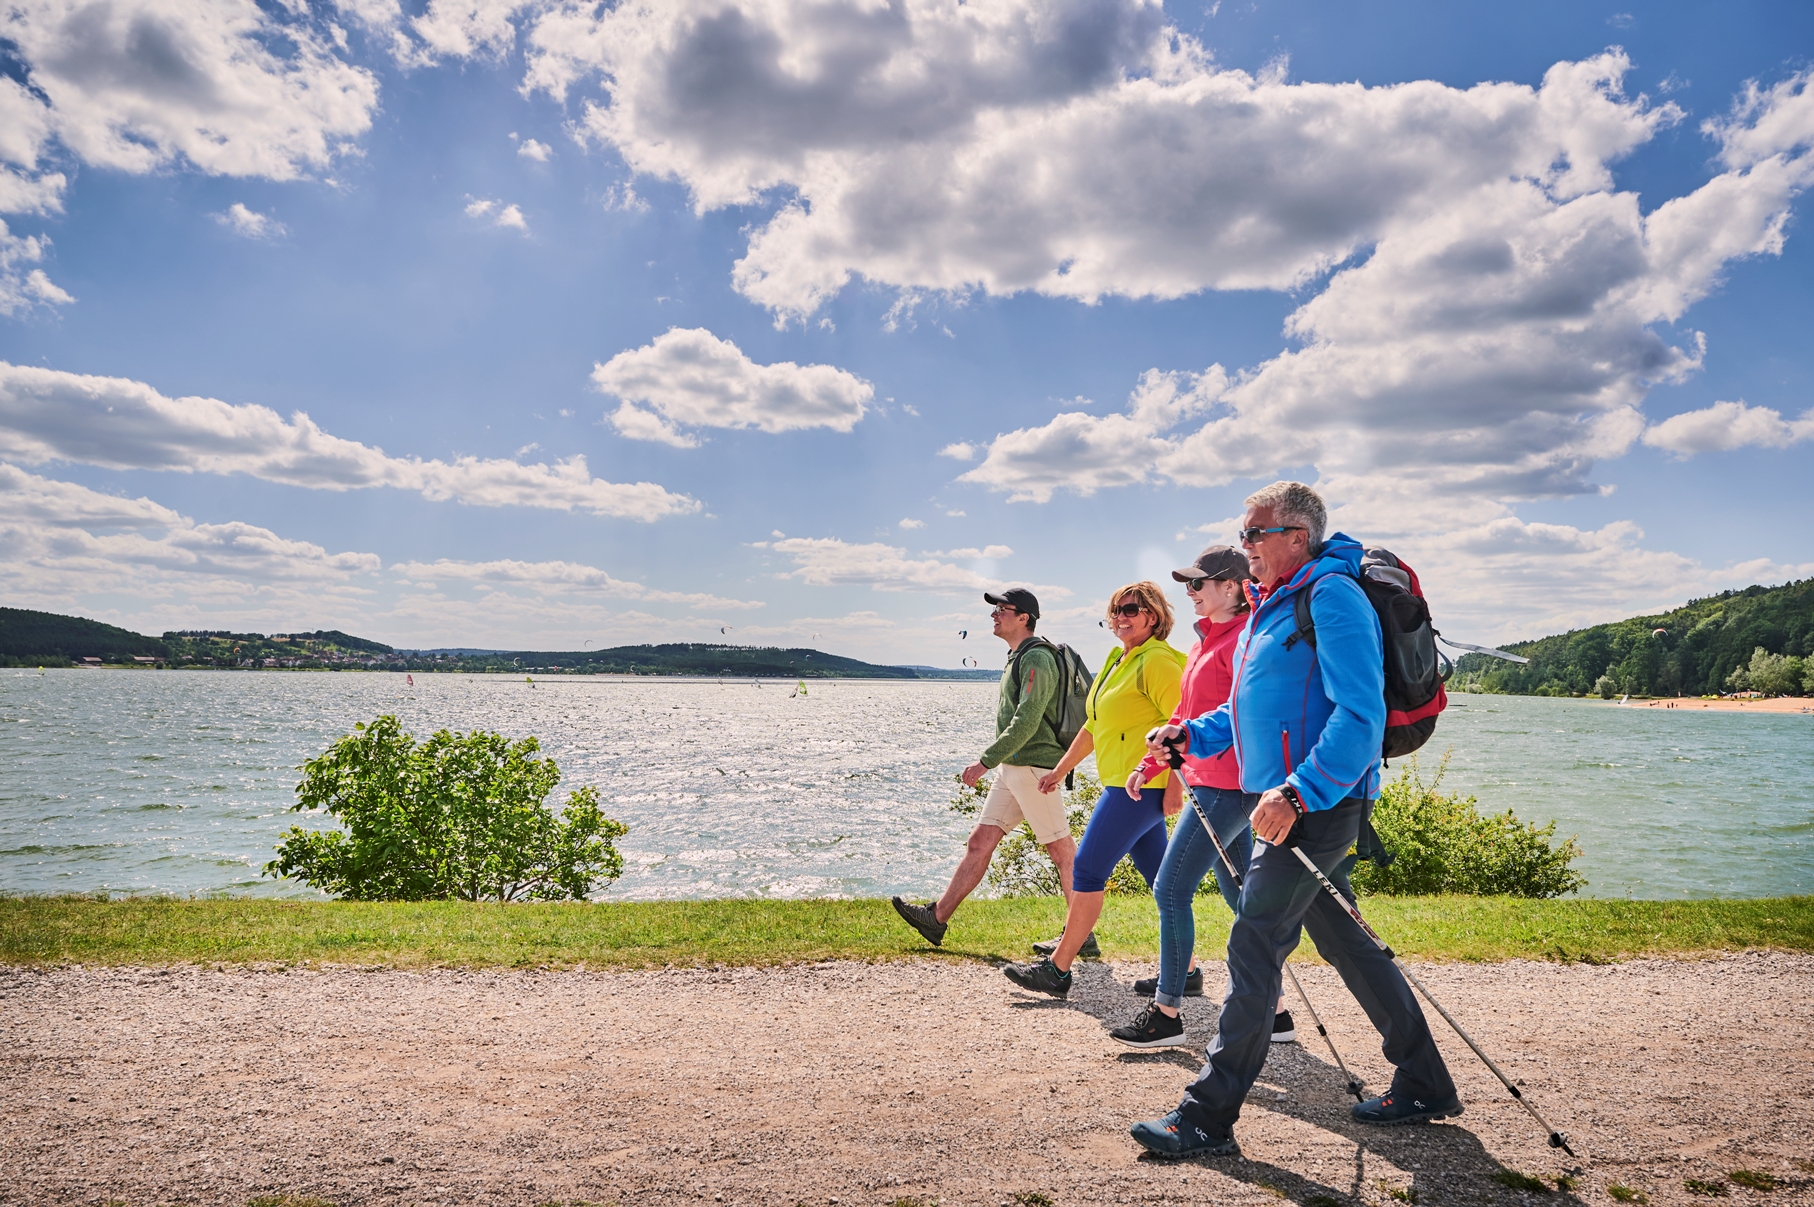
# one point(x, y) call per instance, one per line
point(1043, 977)
point(921, 918)
point(1089, 950)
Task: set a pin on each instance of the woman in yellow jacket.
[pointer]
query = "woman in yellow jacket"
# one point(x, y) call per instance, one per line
point(1138, 688)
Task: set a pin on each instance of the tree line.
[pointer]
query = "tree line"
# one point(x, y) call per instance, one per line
point(1757, 639)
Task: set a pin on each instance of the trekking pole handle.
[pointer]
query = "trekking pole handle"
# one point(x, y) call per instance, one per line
point(1174, 747)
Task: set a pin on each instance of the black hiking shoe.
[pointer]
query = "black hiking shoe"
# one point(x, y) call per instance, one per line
point(1396, 1107)
point(921, 918)
point(1089, 950)
point(1152, 1028)
point(1174, 1139)
point(1043, 976)
point(1146, 986)
point(1283, 1029)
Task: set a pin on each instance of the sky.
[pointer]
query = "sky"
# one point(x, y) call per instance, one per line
point(561, 325)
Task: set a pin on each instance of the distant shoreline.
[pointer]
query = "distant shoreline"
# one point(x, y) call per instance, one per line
point(538, 676)
point(1789, 704)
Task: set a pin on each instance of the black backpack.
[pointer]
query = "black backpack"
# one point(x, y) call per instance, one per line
point(1415, 668)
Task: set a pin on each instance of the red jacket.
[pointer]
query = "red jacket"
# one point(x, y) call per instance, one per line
point(1208, 678)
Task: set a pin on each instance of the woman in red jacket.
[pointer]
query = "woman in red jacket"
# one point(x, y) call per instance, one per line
point(1215, 585)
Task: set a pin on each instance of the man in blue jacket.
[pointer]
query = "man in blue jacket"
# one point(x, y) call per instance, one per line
point(1306, 724)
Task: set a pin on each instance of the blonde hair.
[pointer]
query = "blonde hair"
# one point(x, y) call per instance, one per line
point(1153, 600)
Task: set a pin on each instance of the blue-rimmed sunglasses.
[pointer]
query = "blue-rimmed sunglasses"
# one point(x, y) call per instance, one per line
point(1248, 536)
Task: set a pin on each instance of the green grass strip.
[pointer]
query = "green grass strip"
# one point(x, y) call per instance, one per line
point(141, 931)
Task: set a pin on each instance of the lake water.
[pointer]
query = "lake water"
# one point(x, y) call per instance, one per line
point(180, 782)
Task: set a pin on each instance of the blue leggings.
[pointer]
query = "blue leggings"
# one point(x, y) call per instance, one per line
point(1121, 826)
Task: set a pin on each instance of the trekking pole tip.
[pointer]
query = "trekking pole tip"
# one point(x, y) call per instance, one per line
point(1558, 1140)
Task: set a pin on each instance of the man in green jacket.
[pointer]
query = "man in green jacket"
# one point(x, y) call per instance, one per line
point(1025, 748)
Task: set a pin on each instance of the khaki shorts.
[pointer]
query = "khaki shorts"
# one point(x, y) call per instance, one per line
point(1015, 796)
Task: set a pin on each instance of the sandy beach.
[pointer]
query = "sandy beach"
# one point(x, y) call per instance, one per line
point(903, 1083)
point(1798, 704)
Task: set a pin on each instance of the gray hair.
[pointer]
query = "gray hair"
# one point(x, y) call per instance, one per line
point(1295, 504)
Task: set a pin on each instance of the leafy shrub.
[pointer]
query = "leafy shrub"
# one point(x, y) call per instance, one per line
point(1022, 868)
point(1715, 1189)
point(1625, 1194)
point(1754, 1179)
point(458, 817)
point(1606, 686)
point(1517, 1180)
point(1771, 674)
point(1444, 845)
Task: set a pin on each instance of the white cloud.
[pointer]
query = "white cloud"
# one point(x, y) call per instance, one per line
point(990, 552)
point(463, 29)
point(248, 222)
point(558, 577)
point(134, 85)
point(538, 151)
point(74, 549)
point(959, 451)
point(689, 378)
point(59, 538)
point(500, 214)
point(1076, 151)
point(1725, 426)
point(913, 523)
point(20, 286)
point(828, 562)
point(48, 415)
point(1084, 453)
point(1496, 351)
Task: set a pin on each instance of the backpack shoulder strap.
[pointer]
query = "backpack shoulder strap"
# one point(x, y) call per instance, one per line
point(1035, 643)
point(1300, 610)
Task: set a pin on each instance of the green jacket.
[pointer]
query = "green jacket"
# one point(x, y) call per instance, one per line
point(1023, 732)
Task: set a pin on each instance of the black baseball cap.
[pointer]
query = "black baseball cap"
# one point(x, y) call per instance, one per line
point(1217, 561)
point(1021, 599)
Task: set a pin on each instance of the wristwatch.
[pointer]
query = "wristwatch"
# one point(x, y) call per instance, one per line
point(1291, 794)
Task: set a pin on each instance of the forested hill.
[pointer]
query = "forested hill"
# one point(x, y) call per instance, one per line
point(1691, 651)
point(47, 639)
point(28, 638)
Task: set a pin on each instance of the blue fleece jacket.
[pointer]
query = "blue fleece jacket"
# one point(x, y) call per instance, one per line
point(1313, 718)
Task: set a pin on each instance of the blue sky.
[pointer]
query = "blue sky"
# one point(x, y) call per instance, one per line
point(532, 325)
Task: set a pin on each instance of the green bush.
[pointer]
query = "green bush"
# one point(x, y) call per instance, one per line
point(458, 817)
point(1444, 845)
point(1771, 674)
point(1022, 868)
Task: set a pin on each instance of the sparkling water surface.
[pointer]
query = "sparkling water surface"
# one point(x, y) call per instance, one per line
point(180, 781)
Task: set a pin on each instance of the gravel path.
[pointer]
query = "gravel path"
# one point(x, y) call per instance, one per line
point(903, 1083)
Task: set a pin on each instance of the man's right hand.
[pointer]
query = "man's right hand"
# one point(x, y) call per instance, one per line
point(974, 772)
point(1159, 738)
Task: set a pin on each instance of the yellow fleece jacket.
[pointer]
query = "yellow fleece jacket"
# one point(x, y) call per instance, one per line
point(1137, 689)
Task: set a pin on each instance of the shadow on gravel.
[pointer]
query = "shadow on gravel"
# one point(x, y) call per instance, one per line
point(1445, 1161)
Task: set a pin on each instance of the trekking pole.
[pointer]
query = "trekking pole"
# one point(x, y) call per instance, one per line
point(1355, 1086)
point(1556, 1138)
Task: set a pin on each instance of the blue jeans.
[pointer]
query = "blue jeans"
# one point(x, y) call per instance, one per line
point(1279, 902)
point(1188, 858)
point(1120, 825)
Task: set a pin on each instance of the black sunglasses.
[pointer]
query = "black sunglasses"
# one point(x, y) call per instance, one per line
point(1127, 609)
point(1196, 584)
point(1249, 535)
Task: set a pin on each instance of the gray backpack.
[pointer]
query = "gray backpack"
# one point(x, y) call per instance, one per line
point(1070, 707)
